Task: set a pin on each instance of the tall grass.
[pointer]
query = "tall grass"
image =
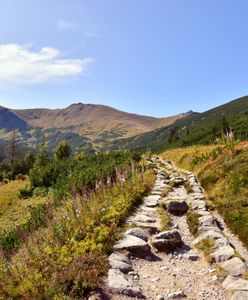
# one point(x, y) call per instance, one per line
point(223, 174)
point(68, 257)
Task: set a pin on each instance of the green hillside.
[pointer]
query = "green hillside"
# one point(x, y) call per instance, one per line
point(84, 126)
point(198, 128)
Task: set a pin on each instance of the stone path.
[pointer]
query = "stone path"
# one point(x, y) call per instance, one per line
point(150, 264)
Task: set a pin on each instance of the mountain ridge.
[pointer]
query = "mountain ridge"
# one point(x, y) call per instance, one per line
point(92, 124)
point(197, 128)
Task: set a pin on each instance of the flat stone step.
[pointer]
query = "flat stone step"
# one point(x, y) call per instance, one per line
point(151, 227)
point(120, 283)
point(143, 218)
point(133, 244)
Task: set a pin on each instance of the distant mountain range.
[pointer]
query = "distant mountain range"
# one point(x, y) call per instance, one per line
point(88, 126)
point(85, 126)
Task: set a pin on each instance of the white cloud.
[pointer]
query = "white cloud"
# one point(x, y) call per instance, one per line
point(19, 65)
point(66, 25)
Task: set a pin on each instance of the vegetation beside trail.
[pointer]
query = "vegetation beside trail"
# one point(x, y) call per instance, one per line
point(75, 210)
point(223, 173)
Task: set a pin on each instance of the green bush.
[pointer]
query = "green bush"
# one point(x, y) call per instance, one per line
point(25, 192)
point(40, 192)
point(10, 240)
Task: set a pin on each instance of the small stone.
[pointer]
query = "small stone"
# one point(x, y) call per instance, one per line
point(155, 279)
point(203, 229)
point(136, 277)
point(163, 268)
point(95, 296)
point(176, 295)
point(193, 255)
point(132, 273)
point(211, 271)
point(214, 278)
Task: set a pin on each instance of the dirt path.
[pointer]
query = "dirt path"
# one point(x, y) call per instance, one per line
point(182, 273)
point(175, 272)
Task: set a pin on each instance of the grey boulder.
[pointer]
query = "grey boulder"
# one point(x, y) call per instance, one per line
point(167, 241)
point(119, 282)
point(134, 245)
point(138, 232)
point(177, 207)
point(198, 204)
point(222, 254)
point(234, 266)
point(207, 221)
point(203, 229)
point(221, 243)
point(210, 234)
point(120, 261)
point(235, 284)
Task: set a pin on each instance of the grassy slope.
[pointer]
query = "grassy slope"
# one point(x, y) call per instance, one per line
point(13, 210)
point(195, 129)
point(18, 217)
point(225, 179)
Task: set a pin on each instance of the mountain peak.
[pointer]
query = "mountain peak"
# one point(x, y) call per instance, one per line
point(76, 105)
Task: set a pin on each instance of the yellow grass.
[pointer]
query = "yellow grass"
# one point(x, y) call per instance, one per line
point(13, 210)
point(182, 157)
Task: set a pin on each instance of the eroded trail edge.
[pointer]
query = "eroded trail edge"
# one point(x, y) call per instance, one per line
point(175, 248)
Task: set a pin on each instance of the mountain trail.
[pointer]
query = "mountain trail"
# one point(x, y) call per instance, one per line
point(152, 263)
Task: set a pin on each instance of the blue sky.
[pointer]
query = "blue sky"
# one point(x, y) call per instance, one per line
point(153, 57)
